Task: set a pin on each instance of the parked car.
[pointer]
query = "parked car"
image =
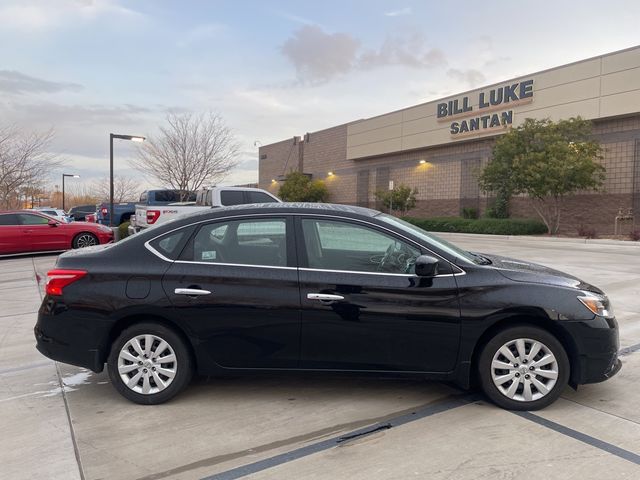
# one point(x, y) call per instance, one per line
point(122, 212)
point(26, 231)
point(148, 215)
point(325, 288)
point(56, 213)
point(145, 216)
point(79, 212)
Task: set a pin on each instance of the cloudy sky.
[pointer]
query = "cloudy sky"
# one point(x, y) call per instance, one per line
point(272, 69)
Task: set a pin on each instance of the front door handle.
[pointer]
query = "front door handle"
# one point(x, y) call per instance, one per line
point(324, 297)
point(192, 292)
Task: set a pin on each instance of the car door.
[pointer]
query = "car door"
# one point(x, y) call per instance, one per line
point(42, 236)
point(11, 237)
point(363, 308)
point(236, 285)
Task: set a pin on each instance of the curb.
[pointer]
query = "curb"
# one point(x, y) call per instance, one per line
point(535, 238)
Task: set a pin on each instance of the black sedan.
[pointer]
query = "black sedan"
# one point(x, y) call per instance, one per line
point(321, 288)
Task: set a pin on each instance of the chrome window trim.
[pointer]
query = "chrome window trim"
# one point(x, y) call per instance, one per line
point(235, 264)
point(311, 215)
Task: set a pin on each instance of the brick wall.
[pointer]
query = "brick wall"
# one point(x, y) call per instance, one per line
point(447, 180)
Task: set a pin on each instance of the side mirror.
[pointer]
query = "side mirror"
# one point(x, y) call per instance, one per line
point(52, 223)
point(426, 266)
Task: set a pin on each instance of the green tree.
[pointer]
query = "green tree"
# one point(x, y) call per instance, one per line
point(547, 161)
point(298, 187)
point(401, 198)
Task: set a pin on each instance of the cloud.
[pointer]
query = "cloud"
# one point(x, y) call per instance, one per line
point(37, 15)
point(15, 82)
point(470, 77)
point(409, 51)
point(398, 13)
point(201, 33)
point(58, 114)
point(317, 56)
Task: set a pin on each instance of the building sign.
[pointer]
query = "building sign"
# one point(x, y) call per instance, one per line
point(493, 109)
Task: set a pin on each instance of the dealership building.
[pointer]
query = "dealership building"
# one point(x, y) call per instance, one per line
point(439, 147)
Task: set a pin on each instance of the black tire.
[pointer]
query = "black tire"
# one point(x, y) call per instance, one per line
point(524, 369)
point(183, 367)
point(85, 239)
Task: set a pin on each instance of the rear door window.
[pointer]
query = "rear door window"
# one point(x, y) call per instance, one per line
point(259, 197)
point(9, 219)
point(260, 242)
point(232, 197)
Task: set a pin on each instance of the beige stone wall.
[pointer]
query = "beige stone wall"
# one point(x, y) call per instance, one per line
point(600, 87)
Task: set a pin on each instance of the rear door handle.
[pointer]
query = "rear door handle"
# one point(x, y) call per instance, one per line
point(192, 292)
point(324, 297)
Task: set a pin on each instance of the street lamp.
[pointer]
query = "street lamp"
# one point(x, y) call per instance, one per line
point(63, 177)
point(133, 138)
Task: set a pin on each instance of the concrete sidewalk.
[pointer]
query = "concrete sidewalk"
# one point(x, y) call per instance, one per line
point(36, 440)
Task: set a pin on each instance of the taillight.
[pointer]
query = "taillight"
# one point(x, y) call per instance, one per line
point(58, 279)
point(152, 216)
point(104, 211)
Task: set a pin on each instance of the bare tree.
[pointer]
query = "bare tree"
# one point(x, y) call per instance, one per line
point(124, 189)
point(25, 163)
point(190, 151)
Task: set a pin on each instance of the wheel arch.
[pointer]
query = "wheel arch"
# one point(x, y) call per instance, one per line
point(530, 319)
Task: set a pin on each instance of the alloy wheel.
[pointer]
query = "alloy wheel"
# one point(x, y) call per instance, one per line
point(524, 370)
point(86, 240)
point(147, 364)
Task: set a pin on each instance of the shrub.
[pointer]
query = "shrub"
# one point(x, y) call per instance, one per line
point(587, 232)
point(499, 207)
point(468, 212)
point(122, 229)
point(635, 235)
point(492, 226)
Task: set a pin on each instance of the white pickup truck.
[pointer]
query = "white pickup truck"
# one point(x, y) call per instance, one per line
point(210, 197)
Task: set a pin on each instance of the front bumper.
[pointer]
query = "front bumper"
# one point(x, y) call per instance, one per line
point(595, 358)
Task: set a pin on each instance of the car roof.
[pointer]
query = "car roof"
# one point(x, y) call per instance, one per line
point(285, 207)
point(27, 210)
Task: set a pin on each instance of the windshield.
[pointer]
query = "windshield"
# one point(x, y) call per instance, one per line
point(431, 239)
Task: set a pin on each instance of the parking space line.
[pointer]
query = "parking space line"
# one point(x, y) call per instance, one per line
point(582, 437)
point(627, 350)
point(449, 403)
point(25, 367)
point(72, 432)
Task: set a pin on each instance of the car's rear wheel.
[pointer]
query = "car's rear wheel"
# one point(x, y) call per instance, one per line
point(85, 239)
point(149, 364)
point(523, 368)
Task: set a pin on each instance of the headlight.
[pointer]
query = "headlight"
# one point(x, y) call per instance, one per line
point(597, 305)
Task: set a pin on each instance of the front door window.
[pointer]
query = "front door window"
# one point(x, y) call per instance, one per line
point(337, 245)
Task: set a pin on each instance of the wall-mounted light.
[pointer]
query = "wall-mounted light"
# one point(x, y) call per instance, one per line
point(330, 174)
point(273, 180)
point(422, 162)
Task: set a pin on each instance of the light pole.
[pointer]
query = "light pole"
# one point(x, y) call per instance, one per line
point(63, 177)
point(133, 138)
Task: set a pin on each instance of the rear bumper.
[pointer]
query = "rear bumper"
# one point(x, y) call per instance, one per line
point(62, 352)
point(78, 338)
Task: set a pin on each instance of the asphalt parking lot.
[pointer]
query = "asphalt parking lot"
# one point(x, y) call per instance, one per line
point(64, 422)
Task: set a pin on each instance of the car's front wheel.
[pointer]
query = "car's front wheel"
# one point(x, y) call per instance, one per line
point(523, 368)
point(85, 239)
point(149, 364)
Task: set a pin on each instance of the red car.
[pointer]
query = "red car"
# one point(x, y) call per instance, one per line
point(23, 231)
